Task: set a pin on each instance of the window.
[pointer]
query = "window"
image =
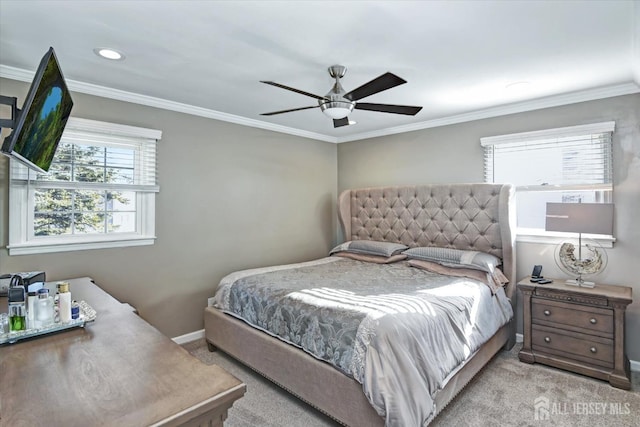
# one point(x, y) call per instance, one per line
point(99, 192)
point(565, 165)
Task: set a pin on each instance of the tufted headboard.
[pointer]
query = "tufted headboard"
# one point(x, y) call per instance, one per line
point(477, 217)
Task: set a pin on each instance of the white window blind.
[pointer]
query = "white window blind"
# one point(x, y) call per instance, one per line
point(569, 164)
point(99, 191)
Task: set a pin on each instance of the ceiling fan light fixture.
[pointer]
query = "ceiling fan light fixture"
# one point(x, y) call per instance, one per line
point(337, 109)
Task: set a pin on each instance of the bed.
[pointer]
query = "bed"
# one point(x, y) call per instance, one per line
point(360, 379)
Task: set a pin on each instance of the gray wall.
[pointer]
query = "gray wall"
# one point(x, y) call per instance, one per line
point(234, 197)
point(231, 197)
point(453, 154)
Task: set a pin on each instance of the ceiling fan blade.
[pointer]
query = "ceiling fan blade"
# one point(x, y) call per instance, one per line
point(292, 89)
point(288, 111)
point(337, 123)
point(384, 82)
point(387, 108)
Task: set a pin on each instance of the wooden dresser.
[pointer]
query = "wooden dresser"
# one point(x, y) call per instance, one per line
point(116, 371)
point(577, 329)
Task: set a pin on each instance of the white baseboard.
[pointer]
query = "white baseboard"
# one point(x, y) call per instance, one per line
point(191, 336)
point(635, 365)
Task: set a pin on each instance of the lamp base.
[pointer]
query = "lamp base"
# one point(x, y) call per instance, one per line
point(581, 283)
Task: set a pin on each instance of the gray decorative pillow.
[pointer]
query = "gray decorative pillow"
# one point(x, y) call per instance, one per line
point(370, 247)
point(455, 258)
point(376, 259)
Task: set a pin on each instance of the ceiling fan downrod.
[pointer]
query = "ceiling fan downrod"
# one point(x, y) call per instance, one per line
point(335, 105)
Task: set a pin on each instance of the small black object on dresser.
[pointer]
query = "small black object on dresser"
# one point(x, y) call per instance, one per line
point(577, 329)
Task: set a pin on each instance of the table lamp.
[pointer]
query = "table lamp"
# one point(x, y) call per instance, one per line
point(590, 218)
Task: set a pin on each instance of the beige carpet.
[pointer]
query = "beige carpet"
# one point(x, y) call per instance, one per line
point(502, 394)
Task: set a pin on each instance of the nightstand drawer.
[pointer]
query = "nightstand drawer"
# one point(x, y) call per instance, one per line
point(572, 297)
point(580, 346)
point(572, 316)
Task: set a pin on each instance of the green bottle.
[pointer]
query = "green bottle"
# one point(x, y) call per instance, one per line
point(17, 318)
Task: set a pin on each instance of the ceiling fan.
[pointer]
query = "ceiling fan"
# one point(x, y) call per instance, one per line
point(337, 103)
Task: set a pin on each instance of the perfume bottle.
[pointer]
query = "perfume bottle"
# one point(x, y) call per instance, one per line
point(32, 299)
point(44, 308)
point(17, 317)
point(64, 302)
point(17, 309)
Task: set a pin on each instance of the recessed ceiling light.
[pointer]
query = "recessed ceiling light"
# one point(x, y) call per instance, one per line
point(108, 53)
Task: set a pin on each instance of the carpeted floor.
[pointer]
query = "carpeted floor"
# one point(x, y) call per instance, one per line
point(502, 394)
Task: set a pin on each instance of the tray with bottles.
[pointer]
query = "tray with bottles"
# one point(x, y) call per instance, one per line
point(86, 314)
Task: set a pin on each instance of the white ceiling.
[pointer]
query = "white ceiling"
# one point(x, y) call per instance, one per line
point(207, 57)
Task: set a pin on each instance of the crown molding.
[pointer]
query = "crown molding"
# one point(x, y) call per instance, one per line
point(150, 101)
point(536, 104)
point(503, 110)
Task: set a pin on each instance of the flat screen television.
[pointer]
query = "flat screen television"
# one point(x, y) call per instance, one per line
point(38, 126)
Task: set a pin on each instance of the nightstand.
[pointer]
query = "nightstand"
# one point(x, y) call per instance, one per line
point(577, 329)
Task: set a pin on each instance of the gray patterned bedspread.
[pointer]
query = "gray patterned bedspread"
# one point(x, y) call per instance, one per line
point(398, 330)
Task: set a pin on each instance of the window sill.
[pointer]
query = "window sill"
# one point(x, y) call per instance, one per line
point(524, 235)
point(43, 247)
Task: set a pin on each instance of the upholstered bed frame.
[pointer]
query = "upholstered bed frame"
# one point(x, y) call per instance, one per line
point(463, 216)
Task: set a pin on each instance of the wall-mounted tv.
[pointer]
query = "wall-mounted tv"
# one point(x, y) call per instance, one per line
point(38, 127)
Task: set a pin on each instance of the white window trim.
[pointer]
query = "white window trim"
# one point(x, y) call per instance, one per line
point(532, 235)
point(550, 133)
point(20, 243)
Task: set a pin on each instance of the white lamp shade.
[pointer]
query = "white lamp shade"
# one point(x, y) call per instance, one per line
point(591, 218)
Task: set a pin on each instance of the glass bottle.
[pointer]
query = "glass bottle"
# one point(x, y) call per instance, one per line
point(17, 309)
point(32, 300)
point(17, 317)
point(44, 308)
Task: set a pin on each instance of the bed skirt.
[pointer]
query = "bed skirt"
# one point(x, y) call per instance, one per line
point(317, 382)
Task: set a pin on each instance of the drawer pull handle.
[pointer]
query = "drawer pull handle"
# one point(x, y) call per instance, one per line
point(593, 320)
point(547, 339)
point(547, 313)
point(593, 349)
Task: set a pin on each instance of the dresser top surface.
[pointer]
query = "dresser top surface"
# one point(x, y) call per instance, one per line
point(118, 370)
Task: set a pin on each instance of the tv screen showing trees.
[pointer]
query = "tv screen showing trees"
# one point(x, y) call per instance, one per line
point(45, 115)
